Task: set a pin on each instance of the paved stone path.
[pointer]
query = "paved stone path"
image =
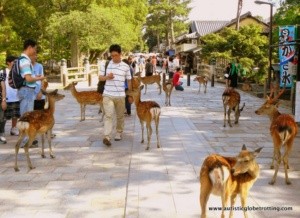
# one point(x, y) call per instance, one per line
point(88, 179)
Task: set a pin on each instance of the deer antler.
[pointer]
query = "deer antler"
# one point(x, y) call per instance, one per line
point(279, 94)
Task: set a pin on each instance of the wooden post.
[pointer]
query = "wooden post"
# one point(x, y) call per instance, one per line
point(86, 65)
point(63, 72)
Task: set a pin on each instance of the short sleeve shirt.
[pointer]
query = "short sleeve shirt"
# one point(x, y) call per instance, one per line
point(2, 78)
point(26, 68)
point(116, 86)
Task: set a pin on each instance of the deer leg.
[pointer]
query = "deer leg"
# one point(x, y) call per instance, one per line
point(277, 164)
point(43, 143)
point(157, 133)
point(286, 160)
point(26, 148)
point(224, 116)
point(149, 133)
point(205, 190)
point(142, 126)
point(159, 86)
point(50, 143)
point(272, 164)
point(236, 114)
point(244, 195)
point(17, 146)
point(228, 117)
point(232, 202)
point(199, 87)
point(205, 86)
point(81, 112)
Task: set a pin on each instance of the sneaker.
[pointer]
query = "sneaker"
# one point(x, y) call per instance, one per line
point(3, 140)
point(106, 141)
point(14, 131)
point(35, 144)
point(118, 136)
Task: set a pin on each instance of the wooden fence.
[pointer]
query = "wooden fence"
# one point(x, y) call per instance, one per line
point(78, 74)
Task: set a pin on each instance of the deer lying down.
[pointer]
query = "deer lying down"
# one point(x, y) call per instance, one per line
point(231, 100)
point(283, 130)
point(85, 98)
point(37, 122)
point(227, 177)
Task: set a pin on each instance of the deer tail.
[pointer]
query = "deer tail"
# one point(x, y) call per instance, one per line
point(155, 112)
point(22, 125)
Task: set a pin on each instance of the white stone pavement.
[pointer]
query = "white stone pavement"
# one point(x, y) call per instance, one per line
point(88, 179)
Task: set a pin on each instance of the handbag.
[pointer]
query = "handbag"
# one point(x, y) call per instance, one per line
point(101, 84)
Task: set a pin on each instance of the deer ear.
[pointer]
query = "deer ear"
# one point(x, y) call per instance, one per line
point(257, 151)
point(244, 147)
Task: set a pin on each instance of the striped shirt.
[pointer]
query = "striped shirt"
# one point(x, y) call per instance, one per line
point(116, 86)
point(26, 68)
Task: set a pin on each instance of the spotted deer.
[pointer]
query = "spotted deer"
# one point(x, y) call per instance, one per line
point(231, 100)
point(168, 88)
point(37, 122)
point(283, 130)
point(227, 177)
point(148, 80)
point(85, 98)
point(201, 80)
point(147, 112)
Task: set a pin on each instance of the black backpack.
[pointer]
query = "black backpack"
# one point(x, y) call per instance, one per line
point(15, 80)
point(101, 84)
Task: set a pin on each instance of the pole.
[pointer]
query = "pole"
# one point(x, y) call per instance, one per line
point(270, 46)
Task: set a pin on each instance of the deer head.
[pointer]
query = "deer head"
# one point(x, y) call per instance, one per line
point(246, 162)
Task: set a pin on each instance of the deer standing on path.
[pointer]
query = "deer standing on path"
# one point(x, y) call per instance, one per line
point(283, 130)
point(147, 112)
point(37, 122)
point(228, 177)
point(201, 80)
point(231, 100)
point(148, 80)
point(168, 88)
point(86, 98)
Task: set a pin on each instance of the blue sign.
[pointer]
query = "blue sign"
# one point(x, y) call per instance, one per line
point(287, 52)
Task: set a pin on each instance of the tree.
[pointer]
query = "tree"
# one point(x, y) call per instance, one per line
point(247, 46)
point(166, 18)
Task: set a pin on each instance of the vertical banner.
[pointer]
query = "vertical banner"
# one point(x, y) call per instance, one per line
point(297, 107)
point(288, 59)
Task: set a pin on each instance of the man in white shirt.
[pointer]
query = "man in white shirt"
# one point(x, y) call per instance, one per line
point(114, 93)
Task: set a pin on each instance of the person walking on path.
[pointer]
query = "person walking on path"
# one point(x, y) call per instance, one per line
point(148, 68)
point(13, 104)
point(114, 93)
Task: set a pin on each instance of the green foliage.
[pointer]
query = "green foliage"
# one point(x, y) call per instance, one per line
point(247, 46)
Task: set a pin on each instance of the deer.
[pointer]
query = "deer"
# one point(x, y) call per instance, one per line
point(37, 122)
point(147, 80)
point(147, 112)
point(283, 131)
point(168, 88)
point(201, 80)
point(231, 100)
point(85, 98)
point(227, 177)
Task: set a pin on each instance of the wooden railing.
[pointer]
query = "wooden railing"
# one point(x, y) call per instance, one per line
point(77, 74)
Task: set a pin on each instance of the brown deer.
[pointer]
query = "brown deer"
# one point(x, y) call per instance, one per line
point(168, 88)
point(201, 80)
point(85, 98)
point(147, 112)
point(37, 122)
point(283, 130)
point(147, 80)
point(227, 177)
point(231, 100)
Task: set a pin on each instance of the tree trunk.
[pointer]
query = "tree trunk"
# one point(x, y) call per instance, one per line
point(74, 51)
point(158, 44)
point(238, 14)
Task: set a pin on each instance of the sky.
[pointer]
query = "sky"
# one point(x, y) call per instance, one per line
point(227, 9)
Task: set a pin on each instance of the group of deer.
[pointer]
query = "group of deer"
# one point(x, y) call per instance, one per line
point(230, 176)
